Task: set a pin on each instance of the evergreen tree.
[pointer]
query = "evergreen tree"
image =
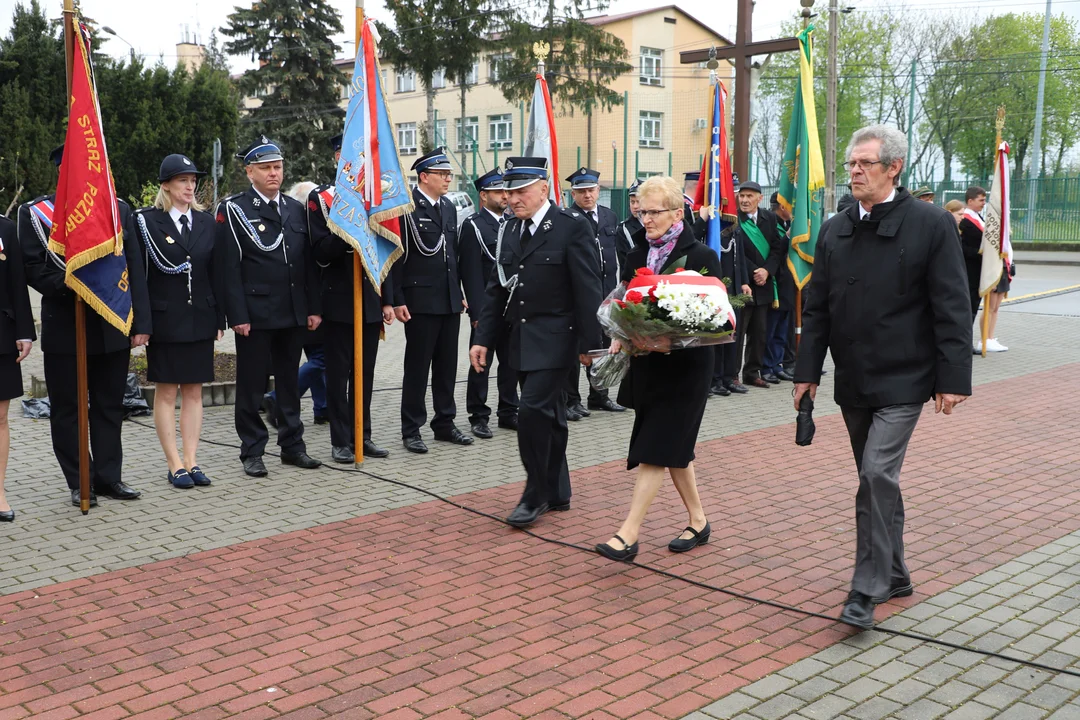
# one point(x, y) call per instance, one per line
point(296, 81)
point(584, 59)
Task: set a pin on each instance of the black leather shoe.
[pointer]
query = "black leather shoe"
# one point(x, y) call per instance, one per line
point(75, 497)
point(254, 467)
point(456, 437)
point(606, 404)
point(322, 419)
point(509, 423)
point(270, 406)
point(342, 454)
point(700, 538)
point(301, 460)
point(371, 450)
point(524, 516)
point(414, 444)
point(898, 588)
point(771, 378)
point(119, 491)
point(7, 516)
point(629, 552)
point(736, 387)
point(785, 376)
point(580, 410)
point(858, 610)
point(560, 506)
point(571, 414)
point(719, 389)
point(199, 477)
point(482, 431)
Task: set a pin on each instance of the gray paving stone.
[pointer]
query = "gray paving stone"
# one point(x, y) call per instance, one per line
point(768, 687)
point(1049, 696)
point(971, 711)
point(778, 707)
point(953, 693)
point(730, 705)
point(874, 709)
point(828, 707)
point(813, 688)
point(862, 689)
point(924, 709)
point(907, 691)
point(805, 668)
point(847, 672)
point(1000, 695)
point(1022, 711)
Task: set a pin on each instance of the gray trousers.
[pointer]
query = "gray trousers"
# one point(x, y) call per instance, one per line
point(879, 440)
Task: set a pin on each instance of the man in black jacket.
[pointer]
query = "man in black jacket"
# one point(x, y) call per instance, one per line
point(781, 319)
point(334, 258)
point(271, 289)
point(476, 259)
point(884, 299)
point(971, 235)
point(546, 288)
point(585, 190)
point(764, 253)
point(107, 353)
point(624, 238)
point(428, 299)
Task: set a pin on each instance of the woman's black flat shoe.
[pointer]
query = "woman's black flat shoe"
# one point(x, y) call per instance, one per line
point(7, 516)
point(629, 552)
point(700, 538)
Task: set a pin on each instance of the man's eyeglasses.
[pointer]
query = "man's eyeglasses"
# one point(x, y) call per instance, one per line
point(863, 165)
point(654, 213)
point(444, 174)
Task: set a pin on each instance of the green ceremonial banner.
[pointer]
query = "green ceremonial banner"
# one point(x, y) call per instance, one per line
point(802, 179)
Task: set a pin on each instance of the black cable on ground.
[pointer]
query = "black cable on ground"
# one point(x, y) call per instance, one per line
point(674, 576)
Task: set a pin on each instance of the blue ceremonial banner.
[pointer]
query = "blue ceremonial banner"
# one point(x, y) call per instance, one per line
point(370, 190)
point(714, 190)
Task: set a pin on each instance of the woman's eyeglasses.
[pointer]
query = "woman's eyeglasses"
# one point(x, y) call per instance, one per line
point(654, 213)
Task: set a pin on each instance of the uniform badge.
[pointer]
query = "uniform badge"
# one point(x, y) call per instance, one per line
point(573, 213)
point(262, 228)
point(583, 170)
point(546, 226)
point(3, 257)
point(186, 161)
point(169, 240)
point(256, 202)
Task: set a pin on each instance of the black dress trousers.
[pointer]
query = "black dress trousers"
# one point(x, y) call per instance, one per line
point(756, 319)
point(106, 376)
point(431, 345)
point(542, 437)
point(476, 388)
point(340, 390)
point(260, 354)
point(728, 360)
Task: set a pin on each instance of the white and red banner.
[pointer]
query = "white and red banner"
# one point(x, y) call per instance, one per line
point(540, 138)
point(996, 248)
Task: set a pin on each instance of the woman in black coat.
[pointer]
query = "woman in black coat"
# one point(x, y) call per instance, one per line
point(667, 391)
point(16, 339)
point(177, 239)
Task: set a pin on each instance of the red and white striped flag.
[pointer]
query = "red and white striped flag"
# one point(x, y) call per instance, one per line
point(540, 138)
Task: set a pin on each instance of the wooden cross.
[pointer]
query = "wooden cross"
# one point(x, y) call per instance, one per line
point(742, 52)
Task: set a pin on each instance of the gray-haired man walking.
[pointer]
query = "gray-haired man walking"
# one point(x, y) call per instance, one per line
point(887, 298)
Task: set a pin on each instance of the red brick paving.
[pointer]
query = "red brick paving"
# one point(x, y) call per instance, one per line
point(429, 611)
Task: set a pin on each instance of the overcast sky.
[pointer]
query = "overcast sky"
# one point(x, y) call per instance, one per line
point(154, 27)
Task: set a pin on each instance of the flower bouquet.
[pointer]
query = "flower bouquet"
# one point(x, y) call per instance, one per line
point(661, 313)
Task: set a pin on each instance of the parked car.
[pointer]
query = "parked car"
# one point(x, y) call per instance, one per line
point(462, 203)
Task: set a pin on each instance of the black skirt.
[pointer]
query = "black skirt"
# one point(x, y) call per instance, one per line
point(668, 394)
point(180, 363)
point(1005, 282)
point(10, 377)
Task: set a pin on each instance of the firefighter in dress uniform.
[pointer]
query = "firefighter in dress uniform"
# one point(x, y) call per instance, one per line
point(107, 353)
point(270, 286)
point(476, 259)
point(585, 190)
point(334, 257)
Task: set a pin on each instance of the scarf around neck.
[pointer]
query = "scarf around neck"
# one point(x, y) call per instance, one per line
point(661, 247)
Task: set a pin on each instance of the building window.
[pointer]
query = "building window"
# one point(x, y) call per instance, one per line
point(406, 138)
point(471, 135)
point(438, 79)
point(651, 62)
point(500, 132)
point(440, 133)
point(473, 76)
point(406, 81)
point(384, 80)
point(649, 128)
point(495, 63)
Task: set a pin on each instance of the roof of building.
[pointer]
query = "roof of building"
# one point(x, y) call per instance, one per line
point(607, 19)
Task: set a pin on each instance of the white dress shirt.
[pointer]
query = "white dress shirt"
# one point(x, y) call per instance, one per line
point(863, 212)
point(276, 198)
point(176, 215)
point(434, 203)
point(534, 222)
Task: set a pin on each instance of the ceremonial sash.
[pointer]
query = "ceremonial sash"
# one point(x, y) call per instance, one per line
point(327, 197)
point(758, 238)
point(975, 219)
point(44, 212)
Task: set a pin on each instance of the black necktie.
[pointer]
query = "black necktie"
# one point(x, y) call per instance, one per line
point(526, 233)
point(185, 231)
point(274, 207)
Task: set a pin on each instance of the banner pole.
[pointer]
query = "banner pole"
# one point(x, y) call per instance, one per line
point(358, 313)
point(82, 390)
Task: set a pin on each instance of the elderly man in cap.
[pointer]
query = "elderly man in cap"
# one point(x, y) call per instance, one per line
point(270, 284)
point(546, 288)
point(764, 251)
point(585, 191)
point(107, 350)
point(428, 299)
point(476, 259)
point(334, 257)
point(925, 194)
